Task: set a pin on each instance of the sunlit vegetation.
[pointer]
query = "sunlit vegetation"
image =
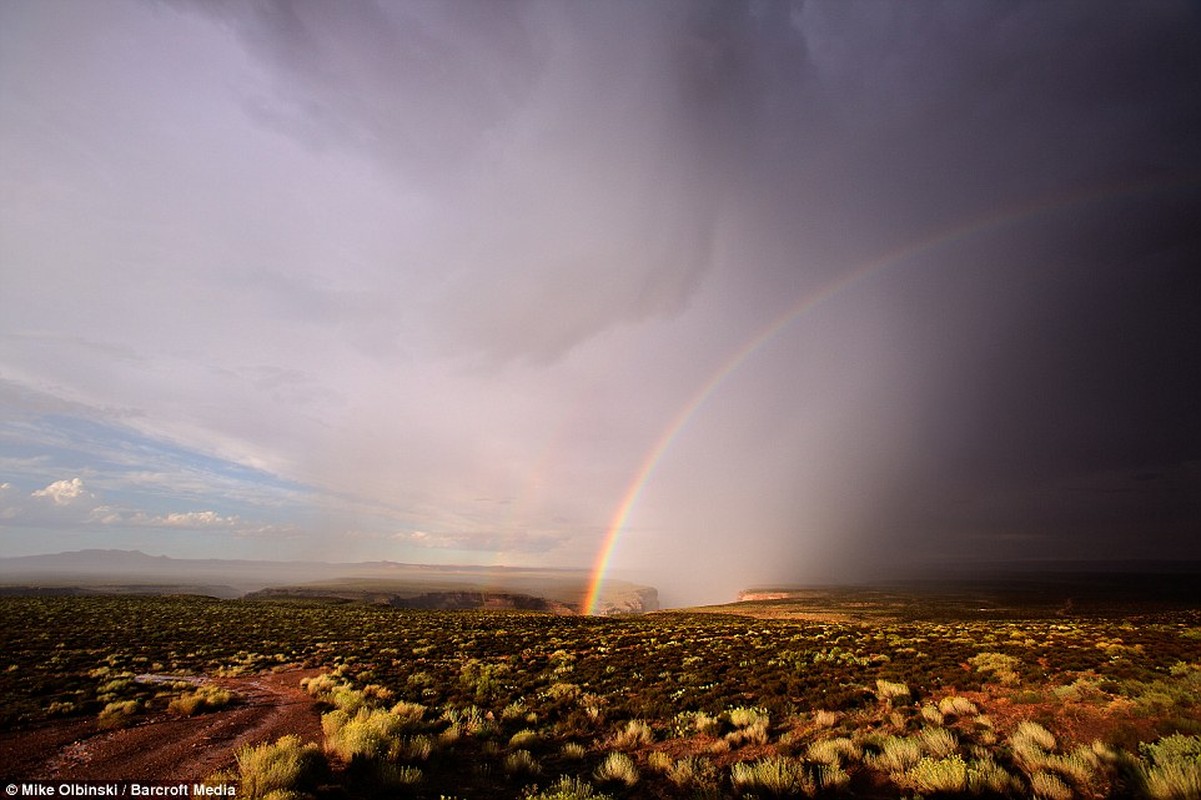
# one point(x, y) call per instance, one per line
point(204, 698)
point(274, 771)
point(506, 704)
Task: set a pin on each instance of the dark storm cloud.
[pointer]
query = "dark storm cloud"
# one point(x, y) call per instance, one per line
point(575, 154)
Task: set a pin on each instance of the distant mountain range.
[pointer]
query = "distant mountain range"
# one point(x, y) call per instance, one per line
point(421, 585)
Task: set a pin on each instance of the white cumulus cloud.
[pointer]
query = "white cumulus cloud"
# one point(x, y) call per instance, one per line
point(66, 492)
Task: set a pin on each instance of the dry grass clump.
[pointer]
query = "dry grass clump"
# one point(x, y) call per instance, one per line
point(522, 762)
point(889, 691)
point(1003, 668)
point(953, 705)
point(617, 768)
point(825, 719)
point(834, 751)
point(523, 739)
point(409, 713)
point(278, 770)
point(778, 775)
point(781, 776)
point(692, 771)
point(897, 755)
point(947, 775)
point(573, 750)
point(750, 726)
point(931, 714)
point(937, 742)
point(369, 733)
point(320, 686)
point(705, 724)
point(1170, 769)
point(205, 698)
point(567, 788)
point(659, 761)
point(118, 714)
point(635, 734)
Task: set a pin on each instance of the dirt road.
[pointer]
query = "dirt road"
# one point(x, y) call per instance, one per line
point(164, 747)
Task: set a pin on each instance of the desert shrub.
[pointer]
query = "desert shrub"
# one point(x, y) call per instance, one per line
point(778, 775)
point(370, 733)
point(617, 768)
point(1031, 744)
point(567, 788)
point(692, 771)
point(481, 679)
point(889, 691)
point(755, 733)
point(523, 739)
point(897, 755)
point(1003, 668)
point(522, 762)
point(320, 686)
point(417, 748)
point(272, 770)
point(1046, 786)
point(1078, 767)
point(825, 719)
point(387, 773)
point(206, 698)
point(659, 761)
point(834, 751)
point(635, 734)
point(743, 717)
point(958, 706)
point(573, 750)
point(374, 691)
point(931, 714)
point(118, 714)
point(703, 723)
point(410, 713)
point(1033, 733)
point(563, 691)
point(1171, 767)
point(514, 711)
point(346, 699)
point(937, 742)
point(451, 734)
point(947, 775)
point(986, 776)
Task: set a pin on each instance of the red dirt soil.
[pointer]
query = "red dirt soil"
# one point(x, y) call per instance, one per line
point(165, 747)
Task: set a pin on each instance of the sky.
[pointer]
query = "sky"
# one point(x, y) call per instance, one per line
point(713, 294)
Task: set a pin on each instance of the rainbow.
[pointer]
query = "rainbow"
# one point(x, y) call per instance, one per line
point(900, 255)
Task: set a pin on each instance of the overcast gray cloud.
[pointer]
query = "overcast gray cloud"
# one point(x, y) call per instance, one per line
point(430, 281)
